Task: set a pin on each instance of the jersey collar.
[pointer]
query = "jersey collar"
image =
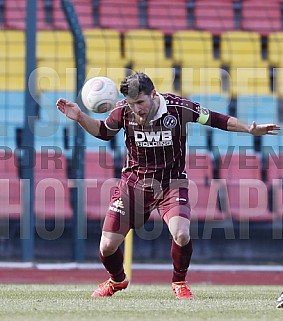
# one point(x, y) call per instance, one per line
point(161, 110)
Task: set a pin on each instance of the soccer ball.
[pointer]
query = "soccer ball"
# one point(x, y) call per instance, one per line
point(99, 94)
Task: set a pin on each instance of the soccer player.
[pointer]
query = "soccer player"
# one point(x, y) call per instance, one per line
point(279, 301)
point(154, 175)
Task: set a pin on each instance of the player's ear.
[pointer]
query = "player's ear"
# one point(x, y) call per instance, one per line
point(153, 93)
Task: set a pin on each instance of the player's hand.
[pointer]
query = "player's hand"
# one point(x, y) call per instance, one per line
point(264, 129)
point(69, 108)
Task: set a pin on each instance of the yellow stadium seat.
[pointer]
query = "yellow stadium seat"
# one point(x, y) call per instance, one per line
point(146, 48)
point(54, 44)
point(53, 75)
point(275, 49)
point(278, 73)
point(200, 80)
point(12, 60)
point(193, 49)
point(242, 49)
point(103, 48)
point(12, 44)
point(249, 81)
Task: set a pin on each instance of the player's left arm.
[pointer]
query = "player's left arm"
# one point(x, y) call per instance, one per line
point(235, 125)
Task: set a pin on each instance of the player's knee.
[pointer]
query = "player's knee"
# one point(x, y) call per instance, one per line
point(182, 238)
point(107, 247)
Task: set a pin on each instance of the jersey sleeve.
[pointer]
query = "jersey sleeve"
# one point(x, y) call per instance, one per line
point(112, 124)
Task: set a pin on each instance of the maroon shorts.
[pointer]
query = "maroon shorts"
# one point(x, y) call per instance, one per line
point(131, 207)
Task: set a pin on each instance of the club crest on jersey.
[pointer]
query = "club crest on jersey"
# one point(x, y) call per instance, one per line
point(169, 121)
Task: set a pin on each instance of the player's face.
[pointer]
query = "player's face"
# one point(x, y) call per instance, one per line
point(143, 107)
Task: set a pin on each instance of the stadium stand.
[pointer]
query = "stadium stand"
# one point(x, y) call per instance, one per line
point(193, 48)
point(12, 117)
point(198, 80)
point(121, 15)
point(274, 176)
point(167, 16)
point(260, 16)
point(203, 189)
point(247, 194)
point(10, 186)
point(55, 61)
point(15, 14)
point(104, 54)
point(12, 60)
point(249, 81)
point(52, 198)
point(241, 49)
point(214, 16)
point(275, 49)
point(146, 48)
point(99, 175)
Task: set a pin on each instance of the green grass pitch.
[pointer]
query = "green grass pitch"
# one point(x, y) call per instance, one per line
point(139, 302)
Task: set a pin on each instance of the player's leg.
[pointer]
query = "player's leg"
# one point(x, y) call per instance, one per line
point(115, 227)
point(181, 248)
point(175, 211)
point(112, 258)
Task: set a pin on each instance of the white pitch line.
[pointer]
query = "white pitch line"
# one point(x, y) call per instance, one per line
point(136, 266)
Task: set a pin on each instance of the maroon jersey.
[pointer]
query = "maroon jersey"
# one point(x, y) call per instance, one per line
point(156, 152)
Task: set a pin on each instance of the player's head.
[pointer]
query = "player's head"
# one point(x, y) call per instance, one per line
point(135, 84)
point(140, 96)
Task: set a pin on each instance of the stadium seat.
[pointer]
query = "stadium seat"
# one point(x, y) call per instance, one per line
point(199, 80)
point(214, 16)
point(146, 48)
point(59, 21)
point(167, 16)
point(100, 181)
point(260, 108)
point(203, 189)
point(15, 15)
point(104, 48)
point(12, 60)
point(10, 186)
point(263, 17)
point(249, 81)
point(55, 61)
point(275, 49)
point(278, 81)
point(228, 142)
point(84, 10)
point(241, 49)
point(121, 15)
point(52, 195)
point(274, 176)
point(247, 194)
point(197, 137)
point(193, 49)
point(218, 103)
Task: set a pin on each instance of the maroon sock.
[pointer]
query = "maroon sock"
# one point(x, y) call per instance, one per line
point(114, 265)
point(181, 256)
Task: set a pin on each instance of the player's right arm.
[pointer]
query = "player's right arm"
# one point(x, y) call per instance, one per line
point(73, 111)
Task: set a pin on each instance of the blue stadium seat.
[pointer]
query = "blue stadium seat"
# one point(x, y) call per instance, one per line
point(197, 137)
point(219, 103)
point(260, 108)
point(12, 116)
point(227, 142)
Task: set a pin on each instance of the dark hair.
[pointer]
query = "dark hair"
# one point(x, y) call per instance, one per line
point(136, 83)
